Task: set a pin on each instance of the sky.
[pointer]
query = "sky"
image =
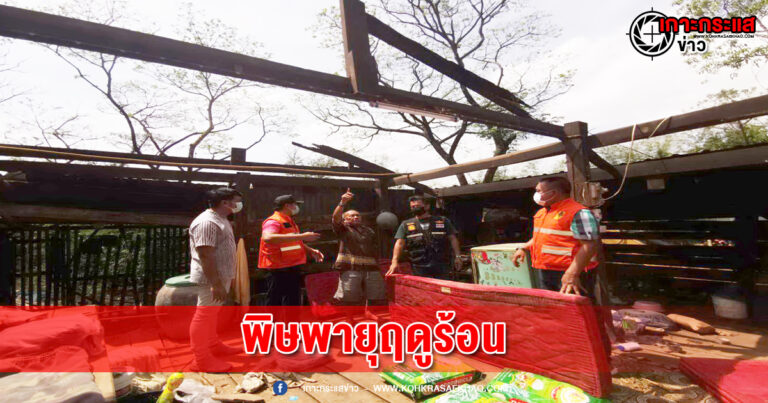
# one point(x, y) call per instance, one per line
point(614, 86)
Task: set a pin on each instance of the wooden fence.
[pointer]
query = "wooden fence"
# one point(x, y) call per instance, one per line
point(80, 265)
point(672, 255)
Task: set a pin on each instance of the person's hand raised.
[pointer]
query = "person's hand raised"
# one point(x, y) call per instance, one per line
point(346, 197)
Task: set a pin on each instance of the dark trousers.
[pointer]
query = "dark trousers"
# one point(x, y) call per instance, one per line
point(436, 271)
point(551, 280)
point(283, 286)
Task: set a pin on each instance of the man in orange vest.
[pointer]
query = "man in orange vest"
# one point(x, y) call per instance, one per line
point(565, 240)
point(282, 253)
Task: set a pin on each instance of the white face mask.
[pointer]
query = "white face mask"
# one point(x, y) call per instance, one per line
point(537, 198)
point(238, 207)
point(295, 210)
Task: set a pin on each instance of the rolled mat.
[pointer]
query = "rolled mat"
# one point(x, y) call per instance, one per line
point(548, 333)
point(730, 381)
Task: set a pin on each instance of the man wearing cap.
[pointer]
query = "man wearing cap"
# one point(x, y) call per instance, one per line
point(282, 253)
point(429, 241)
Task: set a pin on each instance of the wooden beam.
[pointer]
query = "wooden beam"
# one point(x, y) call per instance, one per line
point(359, 162)
point(498, 95)
point(468, 112)
point(708, 161)
point(739, 110)
point(264, 180)
point(59, 168)
point(45, 214)
point(548, 150)
point(361, 67)
point(56, 30)
point(601, 163)
point(731, 112)
point(100, 171)
point(115, 157)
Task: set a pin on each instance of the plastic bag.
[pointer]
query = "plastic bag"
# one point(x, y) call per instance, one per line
point(192, 391)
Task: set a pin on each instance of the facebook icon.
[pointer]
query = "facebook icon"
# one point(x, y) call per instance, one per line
point(280, 388)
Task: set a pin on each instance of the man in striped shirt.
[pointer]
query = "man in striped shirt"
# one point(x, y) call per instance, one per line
point(212, 247)
point(565, 240)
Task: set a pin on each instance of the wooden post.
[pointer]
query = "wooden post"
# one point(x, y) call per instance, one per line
point(243, 185)
point(746, 236)
point(577, 159)
point(386, 242)
point(7, 260)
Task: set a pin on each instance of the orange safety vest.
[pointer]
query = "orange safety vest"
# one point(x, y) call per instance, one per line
point(280, 255)
point(553, 243)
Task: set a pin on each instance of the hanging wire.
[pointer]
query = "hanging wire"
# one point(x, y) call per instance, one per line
point(629, 156)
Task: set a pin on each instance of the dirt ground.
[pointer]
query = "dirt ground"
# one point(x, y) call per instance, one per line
point(650, 374)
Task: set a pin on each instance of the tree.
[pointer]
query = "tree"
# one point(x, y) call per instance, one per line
point(735, 134)
point(730, 53)
point(165, 108)
point(500, 40)
point(7, 91)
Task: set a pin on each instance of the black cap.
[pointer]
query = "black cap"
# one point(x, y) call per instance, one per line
point(281, 201)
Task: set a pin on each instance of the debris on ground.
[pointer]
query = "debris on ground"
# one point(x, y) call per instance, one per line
point(692, 324)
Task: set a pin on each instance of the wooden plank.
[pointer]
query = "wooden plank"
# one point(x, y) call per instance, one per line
point(52, 29)
point(747, 156)
point(669, 235)
point(128, 158)
point(466, 112)
point(335, 379)
point(548, 150)
point(290, 181)
point(58, 168)
point(46, 214)
point(629, 269)
point(730, 112)
point(105, 382)
point(671, 225)
point(489, 90)
point(739, 110)
point(351, 159)
point(691, 261)
point(102, 171)
point(674, 250)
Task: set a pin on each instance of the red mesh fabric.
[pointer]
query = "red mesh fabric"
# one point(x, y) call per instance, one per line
point(729, 380)
point(320, 290)
point(548, 333)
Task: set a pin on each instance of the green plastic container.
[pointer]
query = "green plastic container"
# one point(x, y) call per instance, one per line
point(180, 281)
point(492, 265)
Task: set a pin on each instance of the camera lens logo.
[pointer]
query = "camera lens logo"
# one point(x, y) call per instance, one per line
point(645, 35)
